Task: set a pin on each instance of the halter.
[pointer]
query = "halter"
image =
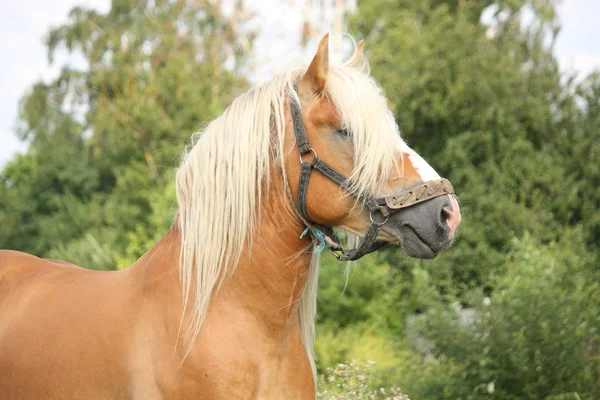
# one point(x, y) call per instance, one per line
point(380, 209)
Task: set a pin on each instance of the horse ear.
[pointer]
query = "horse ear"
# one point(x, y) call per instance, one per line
point(358, 60)
point(315, 77)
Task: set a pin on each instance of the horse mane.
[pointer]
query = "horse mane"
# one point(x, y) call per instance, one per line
point(225, 173)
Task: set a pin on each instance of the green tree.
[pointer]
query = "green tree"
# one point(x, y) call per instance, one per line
point(43, 193)
point(486, 104)
point(105, 139)
point(487, 108)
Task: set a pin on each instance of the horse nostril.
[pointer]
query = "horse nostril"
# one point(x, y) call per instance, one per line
point(445, 214)
point(451, 218)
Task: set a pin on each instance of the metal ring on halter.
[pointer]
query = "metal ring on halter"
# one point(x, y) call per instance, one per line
point(378, 224)
point(310, 149)
point(336, 255)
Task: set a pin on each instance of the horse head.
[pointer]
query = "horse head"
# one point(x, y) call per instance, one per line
point(348, 167)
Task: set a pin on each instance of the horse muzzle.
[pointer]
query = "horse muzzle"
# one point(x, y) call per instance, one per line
point(424, 229)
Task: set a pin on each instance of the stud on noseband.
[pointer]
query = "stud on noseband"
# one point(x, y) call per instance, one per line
point(383, 207)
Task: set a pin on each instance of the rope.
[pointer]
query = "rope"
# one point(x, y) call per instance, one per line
point(323, 241)
point(319, 236)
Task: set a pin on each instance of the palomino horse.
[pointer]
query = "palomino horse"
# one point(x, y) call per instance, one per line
point(223, 306)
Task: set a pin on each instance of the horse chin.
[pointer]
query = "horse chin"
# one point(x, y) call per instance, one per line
point(405, 236)
point(409, 240)
point(414, 245)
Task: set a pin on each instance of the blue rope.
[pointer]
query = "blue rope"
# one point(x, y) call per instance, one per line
point(319, 236)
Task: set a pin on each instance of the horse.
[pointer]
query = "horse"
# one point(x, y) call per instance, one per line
point(224, 305)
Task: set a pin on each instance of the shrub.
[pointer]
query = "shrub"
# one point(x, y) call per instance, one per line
point(536, 338)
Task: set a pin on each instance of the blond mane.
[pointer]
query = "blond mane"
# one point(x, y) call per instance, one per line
point(227, 169)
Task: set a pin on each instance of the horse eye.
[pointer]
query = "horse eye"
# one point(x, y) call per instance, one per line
point(343, 132)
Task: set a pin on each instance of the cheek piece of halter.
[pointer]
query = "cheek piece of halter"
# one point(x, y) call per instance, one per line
point(380, 209)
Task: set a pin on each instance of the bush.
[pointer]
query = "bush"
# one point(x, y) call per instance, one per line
point(536, 338)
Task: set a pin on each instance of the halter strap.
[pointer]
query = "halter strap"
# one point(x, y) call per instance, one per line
point(380, 209)
point(299, 130)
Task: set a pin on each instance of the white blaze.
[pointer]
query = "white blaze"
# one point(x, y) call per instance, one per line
point(425, 170)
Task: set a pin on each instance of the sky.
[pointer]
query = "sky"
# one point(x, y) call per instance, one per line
point(23, 57)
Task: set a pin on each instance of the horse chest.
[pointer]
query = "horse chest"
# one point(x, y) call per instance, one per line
point(231, 365)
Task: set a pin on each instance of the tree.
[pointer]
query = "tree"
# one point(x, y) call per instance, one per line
point(485, 104)
point(108, 136)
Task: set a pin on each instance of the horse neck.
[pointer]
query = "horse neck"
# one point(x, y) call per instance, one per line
point(271, 273)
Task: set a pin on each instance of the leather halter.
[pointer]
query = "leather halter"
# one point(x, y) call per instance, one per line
point(380, 209)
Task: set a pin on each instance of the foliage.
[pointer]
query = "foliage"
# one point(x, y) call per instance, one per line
point(486, 107)
point(538, 338)
point(104, 139)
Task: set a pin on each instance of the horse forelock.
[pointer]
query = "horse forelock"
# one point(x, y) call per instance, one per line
point(364, 113)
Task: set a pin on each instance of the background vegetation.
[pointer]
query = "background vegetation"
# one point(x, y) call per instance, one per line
point(511, 312)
